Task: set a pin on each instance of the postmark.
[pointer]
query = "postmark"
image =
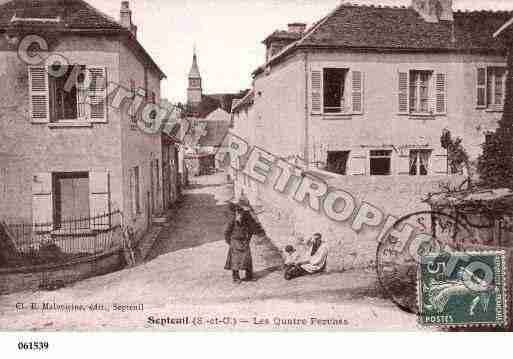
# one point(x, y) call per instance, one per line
point(463, 289)
point(400, 251)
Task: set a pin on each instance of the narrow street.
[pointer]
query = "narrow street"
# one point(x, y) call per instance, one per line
point(185, 277)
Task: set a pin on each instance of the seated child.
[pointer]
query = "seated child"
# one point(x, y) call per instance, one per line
point(292, 256)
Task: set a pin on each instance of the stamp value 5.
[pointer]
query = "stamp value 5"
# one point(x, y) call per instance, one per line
point(466, 289)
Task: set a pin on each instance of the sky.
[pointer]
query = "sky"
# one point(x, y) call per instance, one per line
point(227, 34)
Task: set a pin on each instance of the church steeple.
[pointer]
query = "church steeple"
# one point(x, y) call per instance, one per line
point(195, 91)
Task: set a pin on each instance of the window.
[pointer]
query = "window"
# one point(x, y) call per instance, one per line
point(71, 201)
point(491, 87)
point(62, 93)
point(380, 163)
point(419, 162)
point(135, 191)
point(420, 91)
point(67, 103)
point(496, 86)
point(334, 90)
point(337, 162)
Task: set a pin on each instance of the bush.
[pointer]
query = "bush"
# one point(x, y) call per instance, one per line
point(495, 165)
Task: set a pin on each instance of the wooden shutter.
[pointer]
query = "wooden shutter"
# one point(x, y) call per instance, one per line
point(316, 93)
point(42, 202)
point(38, 87)
point(481, 87)
point(98, 94)
point(358, 163)
point(440, 93)
point(357, 92)
point(403, 93)
point(439, 165)
point(403, 163)
point(99, 199)
point(131, 178)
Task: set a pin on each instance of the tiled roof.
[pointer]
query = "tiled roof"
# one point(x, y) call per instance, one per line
point(210, 103)
point(282, 35)
point(216, 132)
point(403, 28)
point(367, 27)
point(245, 102)
point(74, 14)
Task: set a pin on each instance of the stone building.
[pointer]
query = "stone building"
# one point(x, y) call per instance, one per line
point(368, 90)
point(64, 151)
point(359, 101)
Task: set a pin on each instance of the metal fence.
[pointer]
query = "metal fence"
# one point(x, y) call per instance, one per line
point(66, 240)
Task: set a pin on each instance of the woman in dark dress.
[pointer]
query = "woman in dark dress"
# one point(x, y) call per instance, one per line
point(238, 236)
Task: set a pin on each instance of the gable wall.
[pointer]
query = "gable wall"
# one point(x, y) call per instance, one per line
point(27, 148)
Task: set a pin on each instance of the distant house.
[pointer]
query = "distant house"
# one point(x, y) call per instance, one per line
point(368, 90)
point(62, 156)
point(210, 119)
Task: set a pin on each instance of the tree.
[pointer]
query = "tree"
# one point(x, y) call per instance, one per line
point(495, 165)
point(456, 155)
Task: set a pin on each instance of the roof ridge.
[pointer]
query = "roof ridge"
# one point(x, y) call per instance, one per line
point(483, 11)
point(317, 25)
point(380, 6)
point(377, 6)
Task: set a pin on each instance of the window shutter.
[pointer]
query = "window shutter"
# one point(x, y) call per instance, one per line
point(316, 95)
point(439, 165)
point(357, 92)
point(99, 198)
point(403, 163)
point(38, 87)
point(481, 87)
point(98, 94)
point(403, 93)
point(441, 93)
point(358, 164)
point(42, 202)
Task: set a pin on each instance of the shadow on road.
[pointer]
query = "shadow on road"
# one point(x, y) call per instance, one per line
point(199, 220)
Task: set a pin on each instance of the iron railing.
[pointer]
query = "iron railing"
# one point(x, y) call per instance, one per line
point(66, 240)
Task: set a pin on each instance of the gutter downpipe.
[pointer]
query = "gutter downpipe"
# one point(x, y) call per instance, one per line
point(306, 153)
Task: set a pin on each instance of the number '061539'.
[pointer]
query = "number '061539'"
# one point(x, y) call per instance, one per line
point(34, 346)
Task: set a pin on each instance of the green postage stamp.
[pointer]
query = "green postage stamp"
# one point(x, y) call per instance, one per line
point(466, 289)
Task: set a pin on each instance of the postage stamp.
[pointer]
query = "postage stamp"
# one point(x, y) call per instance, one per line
point(464, 289)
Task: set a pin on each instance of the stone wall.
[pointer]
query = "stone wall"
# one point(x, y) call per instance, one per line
point(285, 219)
point(139, 148)
point(32, 278)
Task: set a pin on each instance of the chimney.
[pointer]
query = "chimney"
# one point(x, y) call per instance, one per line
point(125, 18)
point(297, 27)
point(434, 10)
point(447, 14)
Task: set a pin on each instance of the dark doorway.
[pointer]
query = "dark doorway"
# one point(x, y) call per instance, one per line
point(337, 162)
point(380, 163)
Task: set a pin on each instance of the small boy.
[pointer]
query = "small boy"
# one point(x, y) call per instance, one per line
point(291, 257)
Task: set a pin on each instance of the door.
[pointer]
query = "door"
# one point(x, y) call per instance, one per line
point(166, 176)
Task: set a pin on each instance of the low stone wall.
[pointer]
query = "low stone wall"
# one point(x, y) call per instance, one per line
point(284, 218)
point(14, 280)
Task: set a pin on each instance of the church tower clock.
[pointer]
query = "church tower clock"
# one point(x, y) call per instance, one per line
point(194, 91)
